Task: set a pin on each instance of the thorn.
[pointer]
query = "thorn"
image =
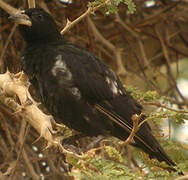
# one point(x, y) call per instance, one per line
point(53, 132)
point(7, 71)
point(93, 13)
point(48, 146)
point(37, 139)
point(37, 103)
point(56, 124)
point(68, 22)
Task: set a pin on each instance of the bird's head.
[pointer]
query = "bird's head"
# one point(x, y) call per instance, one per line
point(36, 26)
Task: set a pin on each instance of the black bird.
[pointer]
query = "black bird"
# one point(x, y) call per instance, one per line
point(77, 88)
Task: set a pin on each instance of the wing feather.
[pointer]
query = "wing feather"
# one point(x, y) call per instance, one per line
point(118, 120)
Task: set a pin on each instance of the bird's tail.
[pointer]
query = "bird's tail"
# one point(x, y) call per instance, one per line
point(143, 138)
point(156, 152)
point(159, 154)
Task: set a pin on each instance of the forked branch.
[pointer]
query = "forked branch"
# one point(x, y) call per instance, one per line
point(90, 10)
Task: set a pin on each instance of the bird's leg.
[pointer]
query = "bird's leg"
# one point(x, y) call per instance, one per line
point(70, 143)
point(72, 139)
point(94, 143)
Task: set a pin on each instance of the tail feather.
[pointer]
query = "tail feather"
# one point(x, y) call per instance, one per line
point(159, 153)
point(143, 138)
point(120, 111)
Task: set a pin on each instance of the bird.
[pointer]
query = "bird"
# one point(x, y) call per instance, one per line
point(77, 88)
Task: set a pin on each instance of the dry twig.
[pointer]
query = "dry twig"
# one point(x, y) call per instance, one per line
point(9, 9)
point(31, 3)
point(116, 52)
point(90, 10)
point(135, 119)
point(158, 104)
point(5, 48)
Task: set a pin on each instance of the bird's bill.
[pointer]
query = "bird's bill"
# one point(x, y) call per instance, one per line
point(21, 18)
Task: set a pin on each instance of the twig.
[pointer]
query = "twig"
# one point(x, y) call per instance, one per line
point(158, 104)
point(165, 51)
point(143, 54)
point(109, 45)
point(90, 10)
point(120, 66)
point(29, 166)
point(135, 35)
point(125, 26)
point(182, 177)
point(44, 6)
point(99, 37)
point(7, 131)
point(31, 3)
point(157, 16)
point(21, 148)
point(70, 24)
point(5, 48)
point(135, 119)
point(9, 9)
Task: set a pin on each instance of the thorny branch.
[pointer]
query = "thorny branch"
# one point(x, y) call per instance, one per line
point(89, 11)
point(16, 84)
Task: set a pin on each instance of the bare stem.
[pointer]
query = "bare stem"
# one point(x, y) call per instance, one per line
point(158, 104)
point(135, 119)
point(31, 4)
point(90, 10)
point(9, 9)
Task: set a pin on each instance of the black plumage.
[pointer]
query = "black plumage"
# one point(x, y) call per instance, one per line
point(77, 88)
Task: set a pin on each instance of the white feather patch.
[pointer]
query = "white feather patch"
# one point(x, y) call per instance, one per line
point(60, 66)
point(113, 85)
point(75, 91)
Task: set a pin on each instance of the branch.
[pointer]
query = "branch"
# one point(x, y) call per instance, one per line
point(168, 63)
point(116, 51)
point(17, 84)
point(31, 4)
point(158, 104)
point(182, 177)
point(9, 9)
point(126, 27)
point(90, 10)
point(70, 24)
point(29, 165)
point(12, 84)
point(136, 35)
point(5, 47)
point(135, 119)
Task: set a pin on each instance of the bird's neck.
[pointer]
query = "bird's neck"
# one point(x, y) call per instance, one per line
point(32, 38)
point(43, 39)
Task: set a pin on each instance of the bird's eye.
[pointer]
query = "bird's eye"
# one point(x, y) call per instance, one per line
point(40, 16)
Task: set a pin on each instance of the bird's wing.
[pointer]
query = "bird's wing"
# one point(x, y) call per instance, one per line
point(98, 85)
point(101, 88)
point(93, 78)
